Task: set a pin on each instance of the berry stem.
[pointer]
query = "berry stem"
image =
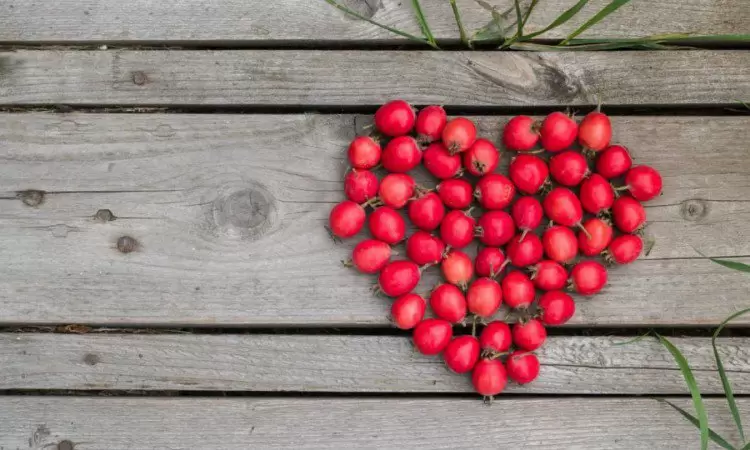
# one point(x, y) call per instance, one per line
point(585, 231)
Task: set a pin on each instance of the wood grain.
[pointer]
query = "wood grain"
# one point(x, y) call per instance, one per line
point(340, 78)
point(314, 423)
point(297, 21)
point(270, 363)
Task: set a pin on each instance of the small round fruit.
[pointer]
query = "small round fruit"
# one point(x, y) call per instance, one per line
point(459, 134)
point(430, 123)
point(371, 255)
point(395, 118)
point(549, 275)
point(398, 278)
point(614, 161)
point(556, 308)
point(527, 214)
point(529, 335)
point(522, 367)
point(439, 162)
point(457, 268)
point(588, 277)
point(520, 134)
point(401, 155)
point(387, 225)
point(496, 337)
point(489, 377)
point(597, 237)
point(424, 248)
point(364, 153)
point(529, 173)
point(644, 183)
point(431, 336)
point(525, 250)
point(346, 219)
point(558, 132)
point(360, 185)
point(481, 158)
point(495, 228)
point(396, 189)
point(628, 214)
point(484, 297)
point(625, 249)
point(407, 311)
point(427, 211)
point(489, 262)
point(563, 207)
point(596, 194)
point(456, 193)
point(462, 354)
point(568, 168)
point(518, 290)
point(595, 131)
point(448, 303)
point(560, 244)
point(494, 191)
point(457, 229)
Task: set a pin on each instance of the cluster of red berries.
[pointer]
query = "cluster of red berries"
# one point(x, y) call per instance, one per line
point(547, 262)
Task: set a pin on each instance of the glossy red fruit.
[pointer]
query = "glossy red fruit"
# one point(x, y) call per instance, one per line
point(529, 173)
point(527, 214)
point(398, 278)
point(489, 262)
point(371, 255)
point(614, 161)
point(484, 297)
point(596, 194)
point(424, 248)
point(549, 275)
point(407, 311)
point(459, 134)
point(448, 303)
point(364, 153)
point(457, 268)
point(462, 354)
point(430, 123)
point(556, 308)
point(518, 290)
point(456, 193)
point(558, 132)
point(595, 131)
point(439, 162)
point(597, 237)
point(560, 244)
point(426, 211)
point(520, 134)
point(494, 191)
point(360, 185)
point(524, 251)
point(625, 249)
point(495, 228)
point(346, 219)
point(457, 229)
point(401, 155)
point(396, 189)
point(431, 336)
point(481, 158)
point(644, 183)
point(496, 337)
point(628, 214)
point(568, 168)
point(529, 335)
point(395, 118)
point(522, 367)
point(387, 225)
point(588, 277)
point(562, 207)
point(489, 377)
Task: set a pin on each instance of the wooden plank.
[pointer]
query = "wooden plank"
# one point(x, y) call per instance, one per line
point(270, 363)
point(229, 212)
point(295, 21)
point(335, 78)
point(309, 423)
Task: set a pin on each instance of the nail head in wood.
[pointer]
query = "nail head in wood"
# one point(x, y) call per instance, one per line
point(31, 197)
point(127, 244)
point(139, 78)
point(65, 445)
point(104, 215)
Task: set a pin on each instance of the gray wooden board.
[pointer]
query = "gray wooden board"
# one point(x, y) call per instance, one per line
point(302, 21)
point(570, 365)
point(229, 211)
point(335, 78)
point(109, 423)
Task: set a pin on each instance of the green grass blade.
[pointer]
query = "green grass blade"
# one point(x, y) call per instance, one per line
point(459, 23)
point(634, 340)
point(519, 18)
point(746, 447)
point(528, 13)
point(687, 373)
point(423, 23)
point(732, 264)
point(497, 28)
point(723, 375)
point(607, 10)
point(561, 19)
point(711, 433)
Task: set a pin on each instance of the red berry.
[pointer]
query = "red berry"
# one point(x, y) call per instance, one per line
point(560, 244)
point(456, 193)
point(495, 228)
point(568, 168)
point(430, 123)
point(360, 185)
point(439, 162)
point(520, 134)
point(489, 377)
point(549, 275)
point(644, 183)
point(628, 214)
point(387, 225)
point(424, 248)
point(396, 189)
point(518, 290)
point(364, 153)
point(484, 297)
point(562, 206)
point(625, 249)
point(457, 268)
point(448, 303)
point(407, 311)
point(588, 277)
point(371, 255)
point(457, 229)
point(481, 158)
point(558, 132)
point(529, 335)
point(595, 131)
point(346, 219)
point(489, 262)
point(494, 191)
point(401, 155)
point(524, 250)
point(598, 237)
point(527, 213)
point(459, 134)
point(528, 173)
point(496, 337)
point(596, 194)
point(556, 308)
point(613, 161)
point(522, 367)
point(398, 278)
point(462, 354)
point(427, 211)
point(395, 118)
point(431, 336)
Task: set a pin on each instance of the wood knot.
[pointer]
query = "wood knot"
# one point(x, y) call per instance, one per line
point(104, 215)
point(127, 244)
point(65, 445)
point(31, 197)
point(91, 359)
point(139, 78)
point(246, 213)
point(694, 210)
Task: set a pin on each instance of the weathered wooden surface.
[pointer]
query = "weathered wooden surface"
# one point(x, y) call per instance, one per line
point(570, 365)
point(229, 213)
point(307, 423)
point(302, 21)
point(335, 78)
